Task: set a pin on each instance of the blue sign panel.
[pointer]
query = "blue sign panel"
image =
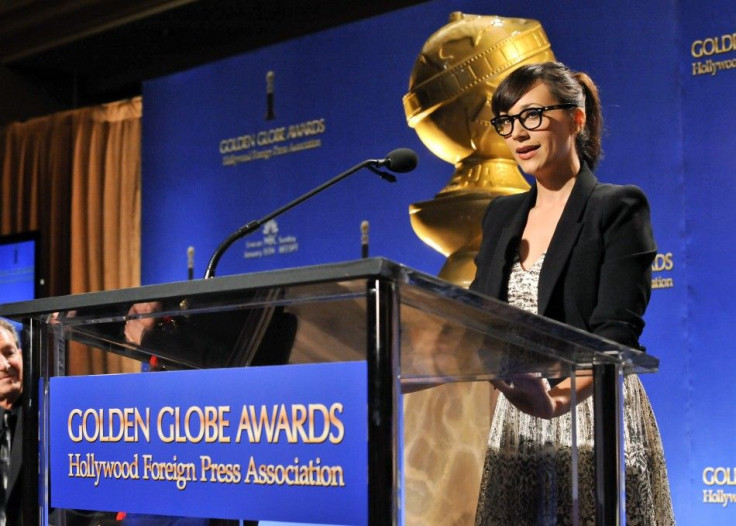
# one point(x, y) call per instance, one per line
point(17, 268)
point(282, 443)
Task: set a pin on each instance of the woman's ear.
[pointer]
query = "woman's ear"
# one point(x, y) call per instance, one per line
point(579, 119)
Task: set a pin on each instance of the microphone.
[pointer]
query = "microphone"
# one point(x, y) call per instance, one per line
point(190, 263)
point(364, 239)
point(400, 160)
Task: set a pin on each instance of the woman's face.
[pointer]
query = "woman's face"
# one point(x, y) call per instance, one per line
point(548, 151)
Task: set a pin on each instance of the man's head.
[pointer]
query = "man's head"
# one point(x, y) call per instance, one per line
point(11, 365)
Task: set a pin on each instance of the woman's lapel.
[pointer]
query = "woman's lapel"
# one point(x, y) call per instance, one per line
point(565, 236)
point(508, 244)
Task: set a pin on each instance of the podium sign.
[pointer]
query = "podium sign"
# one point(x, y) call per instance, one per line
point(278, 443)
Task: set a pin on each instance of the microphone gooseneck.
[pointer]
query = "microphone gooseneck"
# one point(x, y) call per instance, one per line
point(401, 160)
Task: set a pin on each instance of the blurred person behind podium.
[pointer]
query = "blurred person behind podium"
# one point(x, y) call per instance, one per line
point(11, 425)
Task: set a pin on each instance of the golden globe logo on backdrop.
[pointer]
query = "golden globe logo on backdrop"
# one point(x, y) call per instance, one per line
point(721, 482)
point(663, 263)
point(703, 49)
point(272, 142)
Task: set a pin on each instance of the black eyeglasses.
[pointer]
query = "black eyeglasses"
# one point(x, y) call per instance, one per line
point(530, 118)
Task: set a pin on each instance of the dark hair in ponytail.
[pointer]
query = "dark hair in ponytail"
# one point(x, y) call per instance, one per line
point(566, 86)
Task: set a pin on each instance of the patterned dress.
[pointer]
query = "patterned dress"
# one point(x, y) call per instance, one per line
point(527, 472)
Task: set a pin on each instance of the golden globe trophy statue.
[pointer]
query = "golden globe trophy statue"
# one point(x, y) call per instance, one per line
point(448, 104)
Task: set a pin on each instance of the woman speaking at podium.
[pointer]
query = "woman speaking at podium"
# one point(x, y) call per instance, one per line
point(580, 252)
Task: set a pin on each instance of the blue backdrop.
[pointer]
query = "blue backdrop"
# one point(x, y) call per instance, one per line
point(337, 101)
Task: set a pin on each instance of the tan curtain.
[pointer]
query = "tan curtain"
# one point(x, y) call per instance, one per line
point(75, 177)
point(36, 190)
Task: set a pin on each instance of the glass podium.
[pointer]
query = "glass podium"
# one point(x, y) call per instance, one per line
point(277, 396)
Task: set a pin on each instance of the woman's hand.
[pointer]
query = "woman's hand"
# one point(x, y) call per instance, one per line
point(529, 394)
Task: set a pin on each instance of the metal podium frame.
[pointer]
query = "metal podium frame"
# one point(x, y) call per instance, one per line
point(496, 341)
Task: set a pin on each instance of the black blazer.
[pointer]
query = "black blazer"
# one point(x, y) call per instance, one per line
point(596, 274)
